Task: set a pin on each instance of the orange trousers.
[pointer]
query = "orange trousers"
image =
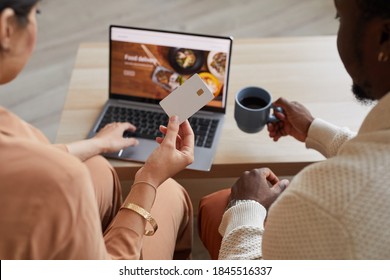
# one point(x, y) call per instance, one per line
point(172, 209)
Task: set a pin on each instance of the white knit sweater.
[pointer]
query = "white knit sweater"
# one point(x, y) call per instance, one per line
point(335, 209)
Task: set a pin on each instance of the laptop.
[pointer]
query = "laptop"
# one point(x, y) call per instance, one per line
point(146, 66)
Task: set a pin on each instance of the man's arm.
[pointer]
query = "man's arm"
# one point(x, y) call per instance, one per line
point(242, 224)
point(327, 138)
point(242, 230)
point(295, 120)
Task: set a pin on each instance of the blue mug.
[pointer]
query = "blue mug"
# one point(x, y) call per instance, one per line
point(252, 109)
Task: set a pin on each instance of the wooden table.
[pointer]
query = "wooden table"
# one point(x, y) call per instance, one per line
point(305, 69)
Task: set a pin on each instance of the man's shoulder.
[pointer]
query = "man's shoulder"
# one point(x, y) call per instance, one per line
point(337, 182)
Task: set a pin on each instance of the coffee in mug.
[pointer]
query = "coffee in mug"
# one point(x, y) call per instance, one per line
point(252, 109)
point(253, 102)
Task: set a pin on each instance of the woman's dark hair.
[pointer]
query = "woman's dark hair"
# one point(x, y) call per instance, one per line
point(21, 8)
point(374, 8)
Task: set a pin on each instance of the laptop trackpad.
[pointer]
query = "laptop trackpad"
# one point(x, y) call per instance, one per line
point(140, 152)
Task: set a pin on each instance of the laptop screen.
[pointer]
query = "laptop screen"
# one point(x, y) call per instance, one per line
point(146, 65)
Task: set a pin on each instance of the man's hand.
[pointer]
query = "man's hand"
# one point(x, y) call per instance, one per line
point(260, 185)
point(295, 121)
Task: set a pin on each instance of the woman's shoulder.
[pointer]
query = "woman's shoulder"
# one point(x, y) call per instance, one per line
point(41, 165)
point(43, 190)
point(12, 125)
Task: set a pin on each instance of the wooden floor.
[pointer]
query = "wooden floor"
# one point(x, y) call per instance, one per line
point(39, 92)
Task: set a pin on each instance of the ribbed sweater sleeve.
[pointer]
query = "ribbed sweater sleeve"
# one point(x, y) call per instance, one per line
point(327, 138)
point(242, 228)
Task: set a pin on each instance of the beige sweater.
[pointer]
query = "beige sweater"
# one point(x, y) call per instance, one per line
point(335, 209)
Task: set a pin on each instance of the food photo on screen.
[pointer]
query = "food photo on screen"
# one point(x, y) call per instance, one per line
point(152, 71)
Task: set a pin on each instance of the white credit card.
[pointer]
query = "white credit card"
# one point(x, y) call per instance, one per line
point(187, 99)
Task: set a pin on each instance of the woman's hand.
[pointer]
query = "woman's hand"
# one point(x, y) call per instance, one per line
point(260, 185)
point(108, 139)
point(295, 121)
point(111, 137)
point(176, 151)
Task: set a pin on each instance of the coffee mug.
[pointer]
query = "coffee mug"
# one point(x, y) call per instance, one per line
point(252, 109)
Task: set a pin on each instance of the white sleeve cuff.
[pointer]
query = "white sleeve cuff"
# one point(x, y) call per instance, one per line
point(327, 138)
point(250, 213)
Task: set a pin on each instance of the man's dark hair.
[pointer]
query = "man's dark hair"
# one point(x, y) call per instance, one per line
point(374, 8)
point(21, 8)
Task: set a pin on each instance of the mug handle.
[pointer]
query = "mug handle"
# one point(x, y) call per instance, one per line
point(273, 118)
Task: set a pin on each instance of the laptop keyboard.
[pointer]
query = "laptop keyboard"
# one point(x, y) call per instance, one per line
point(148, 123)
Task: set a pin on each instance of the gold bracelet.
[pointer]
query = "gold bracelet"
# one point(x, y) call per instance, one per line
point(145, 214)
point(146, 183)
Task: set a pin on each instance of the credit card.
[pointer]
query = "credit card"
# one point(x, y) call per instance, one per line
point(187, 99)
